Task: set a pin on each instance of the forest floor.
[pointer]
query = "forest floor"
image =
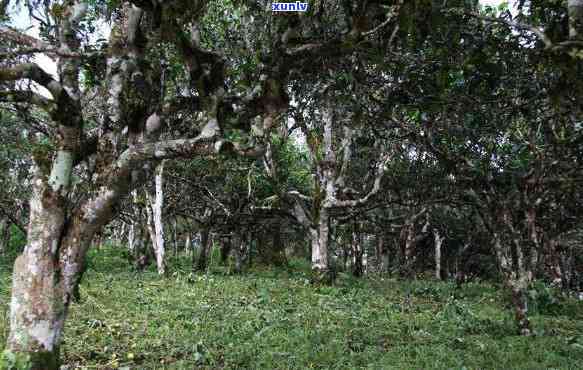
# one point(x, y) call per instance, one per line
point(275, 319)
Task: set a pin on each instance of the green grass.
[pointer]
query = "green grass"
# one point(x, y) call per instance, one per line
point(274, 319)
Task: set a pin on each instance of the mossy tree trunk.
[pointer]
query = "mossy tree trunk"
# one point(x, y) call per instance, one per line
point(39, 301)
point(47, 274)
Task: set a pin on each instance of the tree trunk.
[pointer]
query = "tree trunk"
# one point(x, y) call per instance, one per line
point(155, 224)
point(271, 253)
point(225, 250)
point(357, 252)
point(519, 299)
point(554, 260)
point(409, 241)
point(132, 238)
point(517, 279)
point(437, 241)
point(98, 240)
point(175, 235)
point(202, 263)
point(38, 307)
point(3, 227)
point(566, 269)
point(141, 253)
point(118, 233)
point(379, 252)
point(186, 244)
point(408, 234)
point(158, 223)
point(134, 228)
point(250, 242)
point(320, 238)
point(51, 266)
point(240, 253)
point(346, 254)
point(278, 250)
point(575, 8)
point(384, 250)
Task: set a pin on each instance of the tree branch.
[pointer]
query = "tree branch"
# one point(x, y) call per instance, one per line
point(521, 26)
point(13, 220)
point(27, 96)
point(21, 39)
point(32, 72)
point(380, 172)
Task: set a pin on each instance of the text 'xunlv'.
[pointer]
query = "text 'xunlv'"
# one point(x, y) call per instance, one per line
point(289, 7)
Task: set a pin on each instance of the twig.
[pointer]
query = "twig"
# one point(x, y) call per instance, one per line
point(377, 28)
point(521, 26)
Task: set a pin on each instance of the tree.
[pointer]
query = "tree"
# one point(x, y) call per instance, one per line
point(155, 222)
point(507, 154)
point(125, 141)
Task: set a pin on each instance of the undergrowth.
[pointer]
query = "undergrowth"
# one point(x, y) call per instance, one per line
point(275, 319)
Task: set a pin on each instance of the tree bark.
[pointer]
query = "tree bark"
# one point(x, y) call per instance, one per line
point(155, 223)
point(408, 234)
point(554, 262)
point(3, 242)
point(409, 241)
point(226, 247)
point(175, 235)
point(379, 246)
point(517, 279)
point(357, 252)
point(320, 238)
point(566, 268)
point(272, 253)
point(38, 308)
point(278, 249)
point(133, 233)
point(132, 238)
point(575, 8)
point(240, 253)
point(49, 270)
point(346, 254)
point(118, 233)
point(202, 263)
point(141, 252)
point(519, 299)
point(385, 253)
point(437, 241)
point(186, 244)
